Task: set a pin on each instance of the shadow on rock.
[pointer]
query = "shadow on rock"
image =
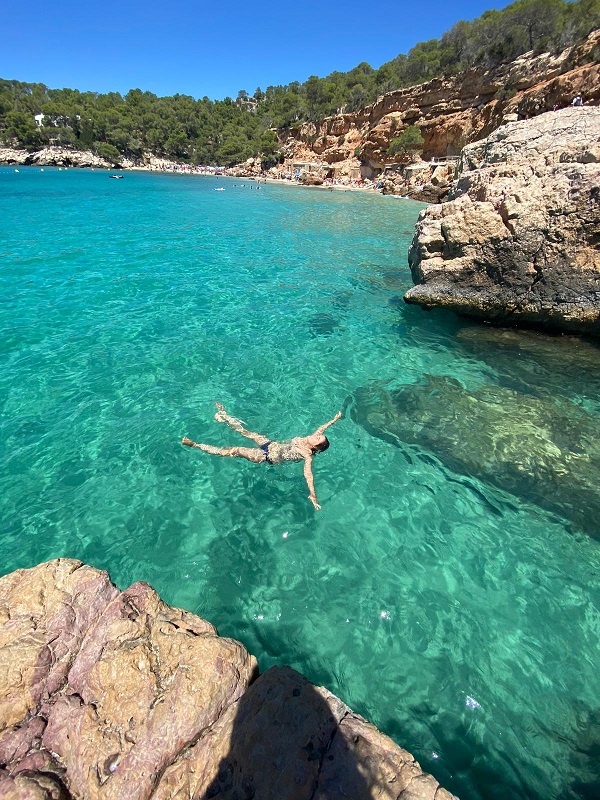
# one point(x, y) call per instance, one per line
point(118, 696)
point(286, 739)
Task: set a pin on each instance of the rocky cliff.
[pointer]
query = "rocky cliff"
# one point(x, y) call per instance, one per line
point(52, 156)
point(107, 694)
point(519, 240)
point(450, 112)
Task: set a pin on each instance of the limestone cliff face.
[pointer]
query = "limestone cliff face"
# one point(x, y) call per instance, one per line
point(451, 112)
point(107, 695)
point(519, 239)
point(52, 156)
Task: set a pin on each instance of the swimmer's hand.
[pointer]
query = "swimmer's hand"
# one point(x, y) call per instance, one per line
point(187, 442)
point(313, 500)
point(337, 416)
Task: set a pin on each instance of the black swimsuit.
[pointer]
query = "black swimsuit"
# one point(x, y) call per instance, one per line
point(265, 448)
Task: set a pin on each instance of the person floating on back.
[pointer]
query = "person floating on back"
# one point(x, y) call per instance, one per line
point(301, 448)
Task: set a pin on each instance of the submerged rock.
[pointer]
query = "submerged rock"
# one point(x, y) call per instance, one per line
point(107, 695)
point(519, 239)
point(543, 451)
point(322, 324)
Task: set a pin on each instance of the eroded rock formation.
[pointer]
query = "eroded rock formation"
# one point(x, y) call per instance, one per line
point(112, 695)
point(52, 156)
point(519, 239)
point(450, 112)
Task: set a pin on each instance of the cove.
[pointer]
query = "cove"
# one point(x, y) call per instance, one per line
point(458, 613)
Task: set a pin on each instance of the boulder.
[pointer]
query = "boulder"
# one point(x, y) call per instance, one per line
point(426, 182)
point(518, 239)
point(534, 447)
point(309, 179)
point(11, 155)
point(64, 156)
point(108, 695)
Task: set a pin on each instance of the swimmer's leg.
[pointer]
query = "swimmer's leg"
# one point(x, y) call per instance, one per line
point(238, 425)
point(249, 453)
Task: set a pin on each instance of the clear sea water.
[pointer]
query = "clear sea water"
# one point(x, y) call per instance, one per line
point(461, 620)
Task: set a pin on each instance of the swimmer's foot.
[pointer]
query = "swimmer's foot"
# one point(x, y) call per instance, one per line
point(187, 442)
point(223, 416)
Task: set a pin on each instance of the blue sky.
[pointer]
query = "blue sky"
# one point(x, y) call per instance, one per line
point(213, 49)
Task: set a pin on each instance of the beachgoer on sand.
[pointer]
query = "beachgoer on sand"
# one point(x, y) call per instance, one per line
point(301, 448)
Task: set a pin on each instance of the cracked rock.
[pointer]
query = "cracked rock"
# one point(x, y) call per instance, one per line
point(519, 239)
point(109, 695)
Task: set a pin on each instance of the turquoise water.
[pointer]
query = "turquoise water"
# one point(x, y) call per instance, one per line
point(460, 619)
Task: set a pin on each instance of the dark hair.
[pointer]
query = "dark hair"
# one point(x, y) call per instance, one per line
point(319, 448)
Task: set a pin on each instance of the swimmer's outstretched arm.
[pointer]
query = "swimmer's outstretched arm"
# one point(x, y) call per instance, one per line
point(327, 424)
point(310, 482)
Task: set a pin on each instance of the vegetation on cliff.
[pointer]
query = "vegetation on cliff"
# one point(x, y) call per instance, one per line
point(229, 131)
point(409, 141)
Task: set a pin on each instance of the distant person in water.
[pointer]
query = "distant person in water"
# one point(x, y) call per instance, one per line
point(301, 448)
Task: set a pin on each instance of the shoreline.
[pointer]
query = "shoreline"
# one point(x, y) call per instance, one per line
point(417, 187)
point(64, 158)
point(192, 173)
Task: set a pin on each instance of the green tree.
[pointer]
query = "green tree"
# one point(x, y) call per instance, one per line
point(19, 127)
point(108, 152)
point(410, 141)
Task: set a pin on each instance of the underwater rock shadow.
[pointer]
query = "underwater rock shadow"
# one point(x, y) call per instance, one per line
point(322, 324)
point(542, 451)
point(536, 362)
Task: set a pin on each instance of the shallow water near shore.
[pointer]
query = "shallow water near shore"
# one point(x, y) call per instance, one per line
point(462, 620)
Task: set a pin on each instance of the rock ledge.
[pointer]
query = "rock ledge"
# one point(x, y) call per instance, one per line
point(519, 239)
point(109, 695)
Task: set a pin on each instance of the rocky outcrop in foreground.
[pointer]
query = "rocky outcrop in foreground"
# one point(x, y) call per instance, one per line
point(519, 239)
point(107, 695)
point(543, 451)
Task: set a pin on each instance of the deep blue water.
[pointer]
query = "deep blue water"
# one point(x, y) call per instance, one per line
point(462, 620)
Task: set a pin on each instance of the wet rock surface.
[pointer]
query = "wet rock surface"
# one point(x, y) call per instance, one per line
point(109, 694)
point(542, 450)
point(519, 239)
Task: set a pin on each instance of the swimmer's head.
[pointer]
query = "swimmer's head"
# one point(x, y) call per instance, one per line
point(321, 446)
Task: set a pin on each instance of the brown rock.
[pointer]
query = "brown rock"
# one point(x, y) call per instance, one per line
point(454, 111)
point(308, 179)
point(44, 615)
point(114, 695)
point(147, 682)
point(321, 750)
point(31, 786)
point(518, 240)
